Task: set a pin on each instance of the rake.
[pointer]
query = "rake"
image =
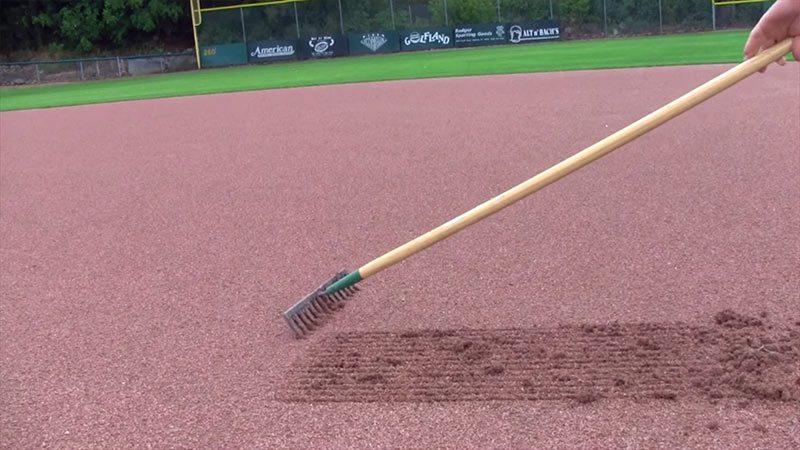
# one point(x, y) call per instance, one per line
point(310, 311)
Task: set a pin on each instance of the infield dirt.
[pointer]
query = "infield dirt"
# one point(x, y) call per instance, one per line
point(649, 300)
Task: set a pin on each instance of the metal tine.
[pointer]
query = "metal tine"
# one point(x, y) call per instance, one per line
point(312, 306)
point(337, 302)
point(323, 299)
point(308, 313)
point(320, 304)
point(300, 325)
point(308, 327)
point(306, 320)
point(310, 316)
point(328, 303)
point(293, 325)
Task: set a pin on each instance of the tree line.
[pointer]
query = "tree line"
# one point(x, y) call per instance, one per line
point(125, 26)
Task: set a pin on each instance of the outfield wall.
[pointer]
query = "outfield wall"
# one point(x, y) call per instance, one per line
point(373, 42)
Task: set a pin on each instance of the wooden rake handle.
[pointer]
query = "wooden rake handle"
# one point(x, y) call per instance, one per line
point(586, 156)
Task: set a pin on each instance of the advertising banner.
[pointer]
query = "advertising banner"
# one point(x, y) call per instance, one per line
point(324, 46)
point(223, 55)
point(426, 38)
point(374, 42)
point(266, 51)
point(481, 34)
point(536, 31)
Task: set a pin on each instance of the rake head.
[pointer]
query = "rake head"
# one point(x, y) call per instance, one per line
point(309, 313)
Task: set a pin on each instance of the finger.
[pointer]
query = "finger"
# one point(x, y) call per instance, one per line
point(781, 61)
point(769, 43)
point(754, 44)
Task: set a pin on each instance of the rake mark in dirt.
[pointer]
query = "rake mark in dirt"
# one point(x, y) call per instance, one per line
point(734, 357)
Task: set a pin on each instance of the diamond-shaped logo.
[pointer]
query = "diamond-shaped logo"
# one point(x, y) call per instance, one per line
point(373, 41)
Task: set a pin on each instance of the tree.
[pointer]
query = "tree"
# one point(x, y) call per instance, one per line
point(576, 12)
point(463, 12)
point(85, 25)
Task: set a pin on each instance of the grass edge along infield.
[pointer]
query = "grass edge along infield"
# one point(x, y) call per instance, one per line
point(680, 49)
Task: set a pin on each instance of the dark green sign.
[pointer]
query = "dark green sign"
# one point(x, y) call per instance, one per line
point(481, 34)
point(326, 46)
point(265, 51)
point(536, 31)
point(426, 38)
point(374, 42)
point(223, 55)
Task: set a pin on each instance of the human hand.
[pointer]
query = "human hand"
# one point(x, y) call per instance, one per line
point(781, 21)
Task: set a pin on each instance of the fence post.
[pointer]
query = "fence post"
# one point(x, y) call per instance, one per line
point(660, 19)
point(713, 16)
point(80, 64)
point(97, 67)
point(499, 18)
point(341, 20)
point(446, 22)
point(244, 32)
point(551, 9)
point(119, 67)
point(296, 20)
point(605, 19)
point(38, 79)
point(391, 9)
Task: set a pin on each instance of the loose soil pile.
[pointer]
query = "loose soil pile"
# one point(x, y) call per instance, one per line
point(733, 357)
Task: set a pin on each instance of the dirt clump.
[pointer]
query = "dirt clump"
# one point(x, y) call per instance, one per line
point(394, 362)
point(647, 344)
point(754, 360)
point(371, 378)
point(586, 396)
point(495, 369)
point(730, 319)
point(665, 395)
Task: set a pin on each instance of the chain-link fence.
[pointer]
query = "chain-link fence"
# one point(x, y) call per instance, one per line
point(579, 18)
point(238, 35)
point(71, 70)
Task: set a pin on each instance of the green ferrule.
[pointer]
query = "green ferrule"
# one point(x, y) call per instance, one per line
point(349, 280)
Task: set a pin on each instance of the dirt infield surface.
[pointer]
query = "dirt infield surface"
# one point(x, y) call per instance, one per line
point(737, 359)
point(649, 300)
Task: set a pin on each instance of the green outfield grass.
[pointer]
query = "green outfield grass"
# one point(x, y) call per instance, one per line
point(703, 48)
